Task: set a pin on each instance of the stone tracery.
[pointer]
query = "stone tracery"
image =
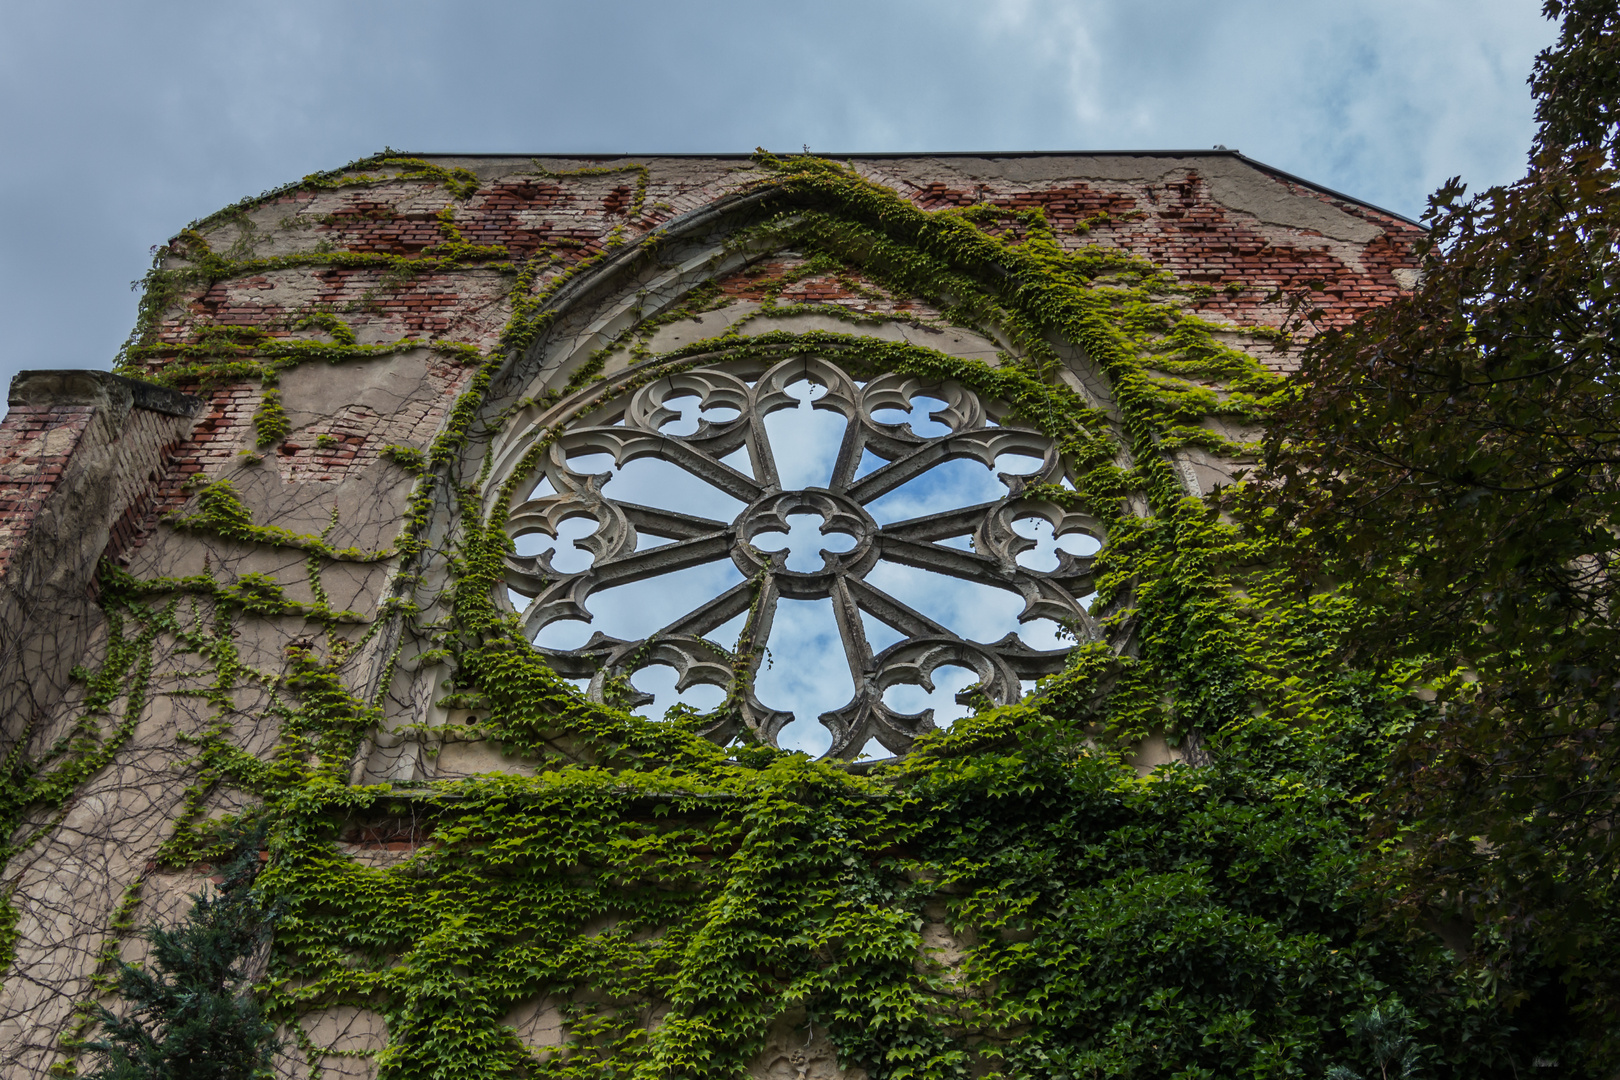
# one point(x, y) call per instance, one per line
point(640, 427)
point(424, 669)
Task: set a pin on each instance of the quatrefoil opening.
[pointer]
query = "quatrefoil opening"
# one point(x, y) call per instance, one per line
point(853, 544)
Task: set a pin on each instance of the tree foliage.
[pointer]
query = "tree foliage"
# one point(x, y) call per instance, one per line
point(193, 1017)
point(1014, 899)
point(1455, 457)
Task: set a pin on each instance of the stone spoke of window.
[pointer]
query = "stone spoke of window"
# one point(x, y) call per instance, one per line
point(694, 419)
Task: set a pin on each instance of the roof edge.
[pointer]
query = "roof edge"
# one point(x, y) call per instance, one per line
point(881, 155)
point(1314, 186)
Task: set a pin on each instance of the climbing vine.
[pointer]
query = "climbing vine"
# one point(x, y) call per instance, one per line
point(1012, 899)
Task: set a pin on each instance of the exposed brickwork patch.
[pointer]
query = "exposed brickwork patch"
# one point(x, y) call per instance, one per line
point(374, 256)
point(36, 443)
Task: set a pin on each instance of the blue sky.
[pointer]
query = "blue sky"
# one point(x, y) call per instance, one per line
point(813, 675)
point(121, 122)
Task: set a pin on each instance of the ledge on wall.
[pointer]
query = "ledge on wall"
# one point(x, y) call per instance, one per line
point(75, 386)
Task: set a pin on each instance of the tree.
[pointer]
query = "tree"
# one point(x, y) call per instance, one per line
point(192, 1018)
point(1454, 459)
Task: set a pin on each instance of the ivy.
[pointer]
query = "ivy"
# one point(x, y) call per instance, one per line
point(270, 420)
point(405, 457)
point(669, 900)
point(221, 512)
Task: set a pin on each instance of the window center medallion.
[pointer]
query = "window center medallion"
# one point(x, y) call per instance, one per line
point(915, 551)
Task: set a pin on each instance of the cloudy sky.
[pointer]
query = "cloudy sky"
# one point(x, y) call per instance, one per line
point(121, 122)
point(806, 671)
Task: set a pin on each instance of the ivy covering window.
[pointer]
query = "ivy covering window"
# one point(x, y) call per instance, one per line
point(848, 514)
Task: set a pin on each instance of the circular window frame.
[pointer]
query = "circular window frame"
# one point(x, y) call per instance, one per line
point(628, 426)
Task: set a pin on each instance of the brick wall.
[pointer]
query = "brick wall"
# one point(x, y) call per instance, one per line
point(90, 463)
point(36, 442)
point(82, 455)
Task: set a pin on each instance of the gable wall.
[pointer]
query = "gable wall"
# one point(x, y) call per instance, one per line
point(1253, 238)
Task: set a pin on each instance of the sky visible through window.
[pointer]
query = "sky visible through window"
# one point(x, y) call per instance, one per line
point(805, 670)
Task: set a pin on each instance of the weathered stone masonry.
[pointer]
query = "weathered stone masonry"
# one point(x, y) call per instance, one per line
point(91, 464)
point(83, 455)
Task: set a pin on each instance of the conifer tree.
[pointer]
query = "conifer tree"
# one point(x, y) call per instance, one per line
point(191, 1015)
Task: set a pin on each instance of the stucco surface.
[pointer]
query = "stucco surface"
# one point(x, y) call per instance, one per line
point(1215, 220)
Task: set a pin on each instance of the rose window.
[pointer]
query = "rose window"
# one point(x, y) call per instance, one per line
point(802, 556)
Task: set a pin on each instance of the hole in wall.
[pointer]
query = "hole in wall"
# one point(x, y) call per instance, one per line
point(659, 681)
point(917, 418)
point(949, 680)
point(567, 557)
point(632, 611)
point(804, 542)
point(1044, 555)
point(806, 672)
point(805, 440)
point(809, 673)
point(949, 485)
point(976, 612)
point(691, 415)
point(658, 483)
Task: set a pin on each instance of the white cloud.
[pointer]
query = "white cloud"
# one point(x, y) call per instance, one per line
point(124, 122)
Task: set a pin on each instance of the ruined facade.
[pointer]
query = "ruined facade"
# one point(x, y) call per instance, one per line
point(285, 567)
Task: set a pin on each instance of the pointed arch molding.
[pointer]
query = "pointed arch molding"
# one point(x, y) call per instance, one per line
point(621, 412)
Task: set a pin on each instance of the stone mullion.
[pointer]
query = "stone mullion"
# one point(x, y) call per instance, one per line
point(941, 526)
point(880, 605)
point(952, 562)
point(849, 455)
point(908, 466)
point(760, 454)
point(752, 644)
point(850, 631)
point(566, 597)
point(705, 618)
point(668, 524)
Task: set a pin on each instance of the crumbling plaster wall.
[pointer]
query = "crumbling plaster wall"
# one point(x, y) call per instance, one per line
point(80, 454)
point(91, 465)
